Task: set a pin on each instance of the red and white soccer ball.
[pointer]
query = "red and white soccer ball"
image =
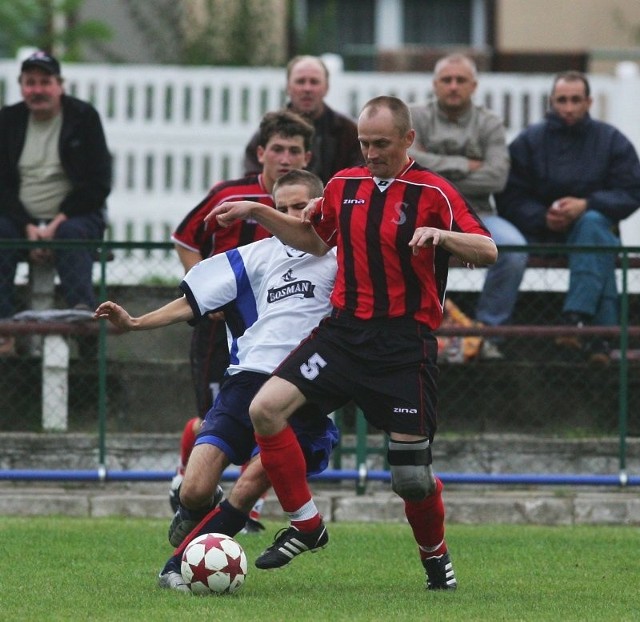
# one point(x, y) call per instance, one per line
point(214, 563)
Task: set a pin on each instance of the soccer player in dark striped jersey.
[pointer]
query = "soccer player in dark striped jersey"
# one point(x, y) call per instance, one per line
point(395, 225)
point(284, 144)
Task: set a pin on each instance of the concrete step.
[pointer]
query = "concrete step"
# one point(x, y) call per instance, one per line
point(466, 505)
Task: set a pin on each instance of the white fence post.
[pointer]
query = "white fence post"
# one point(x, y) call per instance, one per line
point(55, 383)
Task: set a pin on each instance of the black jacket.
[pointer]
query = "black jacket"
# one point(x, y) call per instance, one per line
point(335, 146)
point(590, 160)
point(83, 152)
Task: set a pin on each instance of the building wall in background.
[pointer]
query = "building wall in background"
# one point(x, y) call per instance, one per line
point(540, 36)
point(606, 31)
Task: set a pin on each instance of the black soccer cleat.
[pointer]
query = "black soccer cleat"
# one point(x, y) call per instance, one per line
point(440, 575)
point(290, 542)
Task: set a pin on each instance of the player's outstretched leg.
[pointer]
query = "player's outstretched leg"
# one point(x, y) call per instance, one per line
point(284, 462)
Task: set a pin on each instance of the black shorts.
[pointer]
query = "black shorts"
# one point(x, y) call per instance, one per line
point(386, 366)
point(209, 357)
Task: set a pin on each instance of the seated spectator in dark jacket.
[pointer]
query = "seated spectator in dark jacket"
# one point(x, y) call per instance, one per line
point(55, 175)
point(335, 141)
point(572, 180)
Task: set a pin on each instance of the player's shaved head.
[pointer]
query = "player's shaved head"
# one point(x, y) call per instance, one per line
point(399, 111)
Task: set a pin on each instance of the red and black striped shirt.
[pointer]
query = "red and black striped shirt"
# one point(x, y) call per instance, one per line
point(378, 274)
point(210, 238)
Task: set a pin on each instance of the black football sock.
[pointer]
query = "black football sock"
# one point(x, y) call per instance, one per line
point(224, 518)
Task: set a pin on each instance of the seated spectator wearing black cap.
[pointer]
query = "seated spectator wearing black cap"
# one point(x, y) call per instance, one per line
point(55, 176)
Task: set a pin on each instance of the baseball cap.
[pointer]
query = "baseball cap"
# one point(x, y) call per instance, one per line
point(42, 60)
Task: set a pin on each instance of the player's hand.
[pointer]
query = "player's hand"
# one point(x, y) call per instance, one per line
point(424, 237)
point(312, 207)
point(38, 255)
point(228, 212)
point(115, 314)
point(564, 212)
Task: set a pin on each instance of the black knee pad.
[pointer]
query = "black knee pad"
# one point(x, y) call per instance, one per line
point(411, 473)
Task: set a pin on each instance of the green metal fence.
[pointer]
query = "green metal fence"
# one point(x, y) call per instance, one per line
point(141, 382)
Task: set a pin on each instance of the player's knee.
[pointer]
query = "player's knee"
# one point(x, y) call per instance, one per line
point(259, 411)
point(195, 494)
point(412, 483)
point(269, 412)
point(411, 472)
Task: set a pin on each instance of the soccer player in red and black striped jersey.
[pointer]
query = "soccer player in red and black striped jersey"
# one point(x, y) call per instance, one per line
point(284, 144)
point(395, 225)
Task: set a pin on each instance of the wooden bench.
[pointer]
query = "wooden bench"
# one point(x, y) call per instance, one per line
point(546, 274)
point(41, 290)
point(612, 334)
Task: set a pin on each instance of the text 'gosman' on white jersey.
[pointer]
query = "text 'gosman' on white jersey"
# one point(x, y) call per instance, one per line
point(272, 296)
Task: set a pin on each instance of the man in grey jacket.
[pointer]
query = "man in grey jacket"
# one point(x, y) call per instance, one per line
point(466, 144)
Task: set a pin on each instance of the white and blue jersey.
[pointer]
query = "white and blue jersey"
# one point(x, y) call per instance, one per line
point(272, 296)
point(286, 288)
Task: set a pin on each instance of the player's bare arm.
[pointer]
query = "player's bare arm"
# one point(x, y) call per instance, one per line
point(470, 248)
point(176, 311)
point(290, 229)
point(188, 258)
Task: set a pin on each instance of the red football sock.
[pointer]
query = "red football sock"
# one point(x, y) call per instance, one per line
point(187, 441)
point(284, 462)
point(426, 518)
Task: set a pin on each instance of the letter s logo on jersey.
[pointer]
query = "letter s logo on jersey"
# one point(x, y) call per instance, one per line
point(400, 211)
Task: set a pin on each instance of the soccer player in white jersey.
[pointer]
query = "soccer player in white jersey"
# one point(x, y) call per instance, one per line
point(273, 295)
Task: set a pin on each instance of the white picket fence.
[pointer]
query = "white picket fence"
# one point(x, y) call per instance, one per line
point(174, 131)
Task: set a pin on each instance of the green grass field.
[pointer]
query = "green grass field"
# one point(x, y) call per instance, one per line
point(59, 568)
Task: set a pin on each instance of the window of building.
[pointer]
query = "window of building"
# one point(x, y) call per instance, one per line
point(345, 28)
point(437, 22)
point(359, 30)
